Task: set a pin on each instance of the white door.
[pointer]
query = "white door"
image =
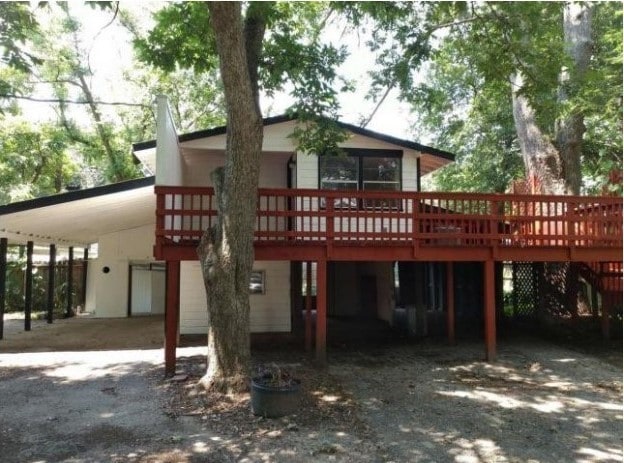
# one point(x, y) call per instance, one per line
point(141, 299)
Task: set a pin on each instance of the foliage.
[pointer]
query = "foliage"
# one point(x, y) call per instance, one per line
point(96, 136)
point(453, 62)
point(471, 118)
point(15, 286)
point(273, 376)
point(67, 70)
point(180, 37)
point(294, 59)
point(17, 26)
point(34, 160)
point(196, 100)
point(601, 100)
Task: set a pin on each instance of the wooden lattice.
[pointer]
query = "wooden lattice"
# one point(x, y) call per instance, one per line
point(524, 295)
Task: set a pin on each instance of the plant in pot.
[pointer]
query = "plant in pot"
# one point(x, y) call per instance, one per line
point(274, 392)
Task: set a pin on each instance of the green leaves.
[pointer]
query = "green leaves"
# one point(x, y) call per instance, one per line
point(453, 62)
point(17, 24)
point(293, 58)
point(34, 160)
point(181, 37)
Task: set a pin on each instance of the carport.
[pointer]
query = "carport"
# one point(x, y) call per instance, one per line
point(81, 220)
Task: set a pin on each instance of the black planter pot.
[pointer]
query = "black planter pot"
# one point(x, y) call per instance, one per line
point(274, 401)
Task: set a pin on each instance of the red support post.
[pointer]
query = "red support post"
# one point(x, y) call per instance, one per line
point(450, 304)
point(489, 293)
point(172, 302)
point(329, 227)
point(308, 306)
point(321, 312)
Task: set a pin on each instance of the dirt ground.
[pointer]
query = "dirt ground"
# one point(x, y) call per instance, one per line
point(423, 402)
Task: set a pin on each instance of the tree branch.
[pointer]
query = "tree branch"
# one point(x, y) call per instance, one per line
point(60, 100)
point(379, 103)
point(454, 23)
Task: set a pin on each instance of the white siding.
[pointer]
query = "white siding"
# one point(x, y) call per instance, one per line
point(193, 314)
point(270, 312)
point(409, 181)
point(168, 160)
point(159, 283)
point(93, 268)
point(276, 138)
point(200, 164)
point(307, 171)
point(115, 251)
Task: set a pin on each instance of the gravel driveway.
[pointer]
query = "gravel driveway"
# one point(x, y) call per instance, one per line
point(538, 403)
point(414, 403)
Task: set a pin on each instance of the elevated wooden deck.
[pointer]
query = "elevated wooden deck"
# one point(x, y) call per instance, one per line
point(298, 225)
point(322, 226)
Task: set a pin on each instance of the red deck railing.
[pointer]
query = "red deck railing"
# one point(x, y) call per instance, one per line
point(305, 216)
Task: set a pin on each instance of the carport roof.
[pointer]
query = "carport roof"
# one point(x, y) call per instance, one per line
point(78, 218)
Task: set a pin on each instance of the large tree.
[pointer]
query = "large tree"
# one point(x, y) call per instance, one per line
point(226, 251)
point(545, 73)
point(258, 45)
point(65, 82)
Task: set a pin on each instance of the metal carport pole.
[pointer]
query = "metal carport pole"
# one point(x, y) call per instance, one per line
point(29, 284)
point(51, 282)
point(85, 264)
point(70, 282)
point(3, 270)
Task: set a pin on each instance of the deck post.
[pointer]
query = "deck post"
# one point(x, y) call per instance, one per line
point(172, 302)
point(321, 312)
point(4, 245)
point(605, 310)
point(490, 310)
point(450, 304)
point(308, 308)
point(594, 301)
point(28, 286)
point(70, 282)
point(51, 283)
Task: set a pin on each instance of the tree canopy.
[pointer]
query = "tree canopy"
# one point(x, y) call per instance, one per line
point(58, 78)
point(463, 95)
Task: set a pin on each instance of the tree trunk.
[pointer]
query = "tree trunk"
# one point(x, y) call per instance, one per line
point(554, 167)
point(226, 250)
point(542, 162)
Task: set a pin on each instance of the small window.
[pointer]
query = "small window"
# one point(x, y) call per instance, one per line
point(365, 169)
point(339, 173)
point(256, 282)
point(381, 174)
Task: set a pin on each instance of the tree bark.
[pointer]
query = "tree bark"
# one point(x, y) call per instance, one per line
point(226, 250)
point(542, 162)
point(554, 166)
point(577, 29)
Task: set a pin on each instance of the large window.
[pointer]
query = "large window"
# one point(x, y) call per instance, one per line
point(371, 170)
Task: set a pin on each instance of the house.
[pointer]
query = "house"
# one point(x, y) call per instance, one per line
point(351, 228)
